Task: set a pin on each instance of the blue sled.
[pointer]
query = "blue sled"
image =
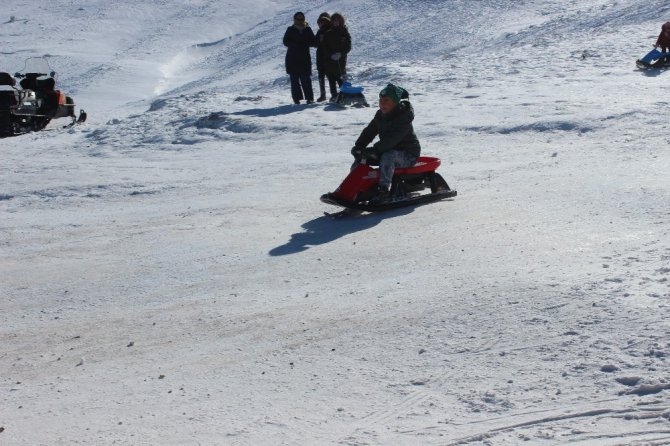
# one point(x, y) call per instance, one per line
point(350, 96)
point(654, 58)
point(347, 88)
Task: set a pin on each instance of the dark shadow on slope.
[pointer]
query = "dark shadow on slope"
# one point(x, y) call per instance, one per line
point(333, 107)
point(272, 111)
point(653, 72)
point(325, 229)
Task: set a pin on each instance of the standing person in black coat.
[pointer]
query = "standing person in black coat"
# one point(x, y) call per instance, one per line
point(324, 25)
point(337, 43)
point(298, 39)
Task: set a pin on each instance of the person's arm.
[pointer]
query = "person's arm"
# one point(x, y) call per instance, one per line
point(287, 39)
point(367, 135)
point(346, 42)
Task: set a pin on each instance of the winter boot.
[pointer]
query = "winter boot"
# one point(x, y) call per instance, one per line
point(381, 195)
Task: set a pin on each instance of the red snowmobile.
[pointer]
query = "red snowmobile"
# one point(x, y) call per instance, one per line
point(357, 190)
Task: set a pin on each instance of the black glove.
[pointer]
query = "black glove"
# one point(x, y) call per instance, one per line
point(357, 153)
point(370, 153)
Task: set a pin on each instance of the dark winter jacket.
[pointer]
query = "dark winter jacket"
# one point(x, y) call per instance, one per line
point(336, 40)
point(298, 41)
point(395, 131)
point(321, 50)
point(664, 38)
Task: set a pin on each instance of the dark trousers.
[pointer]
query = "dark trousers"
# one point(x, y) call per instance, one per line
point(322, 86)
point(333, 83)
point(301, 87)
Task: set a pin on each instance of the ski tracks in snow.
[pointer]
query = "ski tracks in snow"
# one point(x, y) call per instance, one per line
point(632, 361)
point(564, 425)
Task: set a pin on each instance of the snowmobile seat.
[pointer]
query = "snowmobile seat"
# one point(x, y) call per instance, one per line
point(7, 79)
point(29, 83)
point(38, 85)
point(422, 165)
point(48, 84)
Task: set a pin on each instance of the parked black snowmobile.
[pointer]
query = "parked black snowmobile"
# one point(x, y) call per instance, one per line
point(32, 104)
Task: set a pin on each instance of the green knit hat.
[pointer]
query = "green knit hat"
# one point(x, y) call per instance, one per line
point(394, 92)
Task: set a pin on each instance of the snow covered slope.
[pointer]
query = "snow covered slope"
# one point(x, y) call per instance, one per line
point(167, 275)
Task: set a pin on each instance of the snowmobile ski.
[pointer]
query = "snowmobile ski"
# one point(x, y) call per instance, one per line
point(388, 205)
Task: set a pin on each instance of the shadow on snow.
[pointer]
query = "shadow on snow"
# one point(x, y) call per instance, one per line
point(653, 72)
point(326, 229)
point(285, 110)
point(272, 111)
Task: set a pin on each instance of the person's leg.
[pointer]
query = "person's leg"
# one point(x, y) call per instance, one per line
point(322, 87)
point(306, 82)
point(389, 161)
point(332, 84)
point(387, 165)
point(296, 92)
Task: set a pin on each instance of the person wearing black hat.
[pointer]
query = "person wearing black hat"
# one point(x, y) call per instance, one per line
point(298, 39)
point(398, 145)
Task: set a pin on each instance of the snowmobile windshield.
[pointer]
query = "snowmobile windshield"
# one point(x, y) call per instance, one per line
point(37, 65)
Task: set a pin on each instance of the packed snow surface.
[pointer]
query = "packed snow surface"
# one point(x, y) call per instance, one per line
point(168, 276)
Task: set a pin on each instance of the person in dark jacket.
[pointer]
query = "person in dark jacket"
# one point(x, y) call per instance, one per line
point(663, 40)
point(337, 44)
point(324, 25)
point(398, 145)
point(298, 39)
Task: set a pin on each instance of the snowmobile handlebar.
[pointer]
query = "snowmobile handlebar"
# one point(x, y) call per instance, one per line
point(33, 75)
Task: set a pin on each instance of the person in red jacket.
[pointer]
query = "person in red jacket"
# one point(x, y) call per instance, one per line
point(663, 40)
